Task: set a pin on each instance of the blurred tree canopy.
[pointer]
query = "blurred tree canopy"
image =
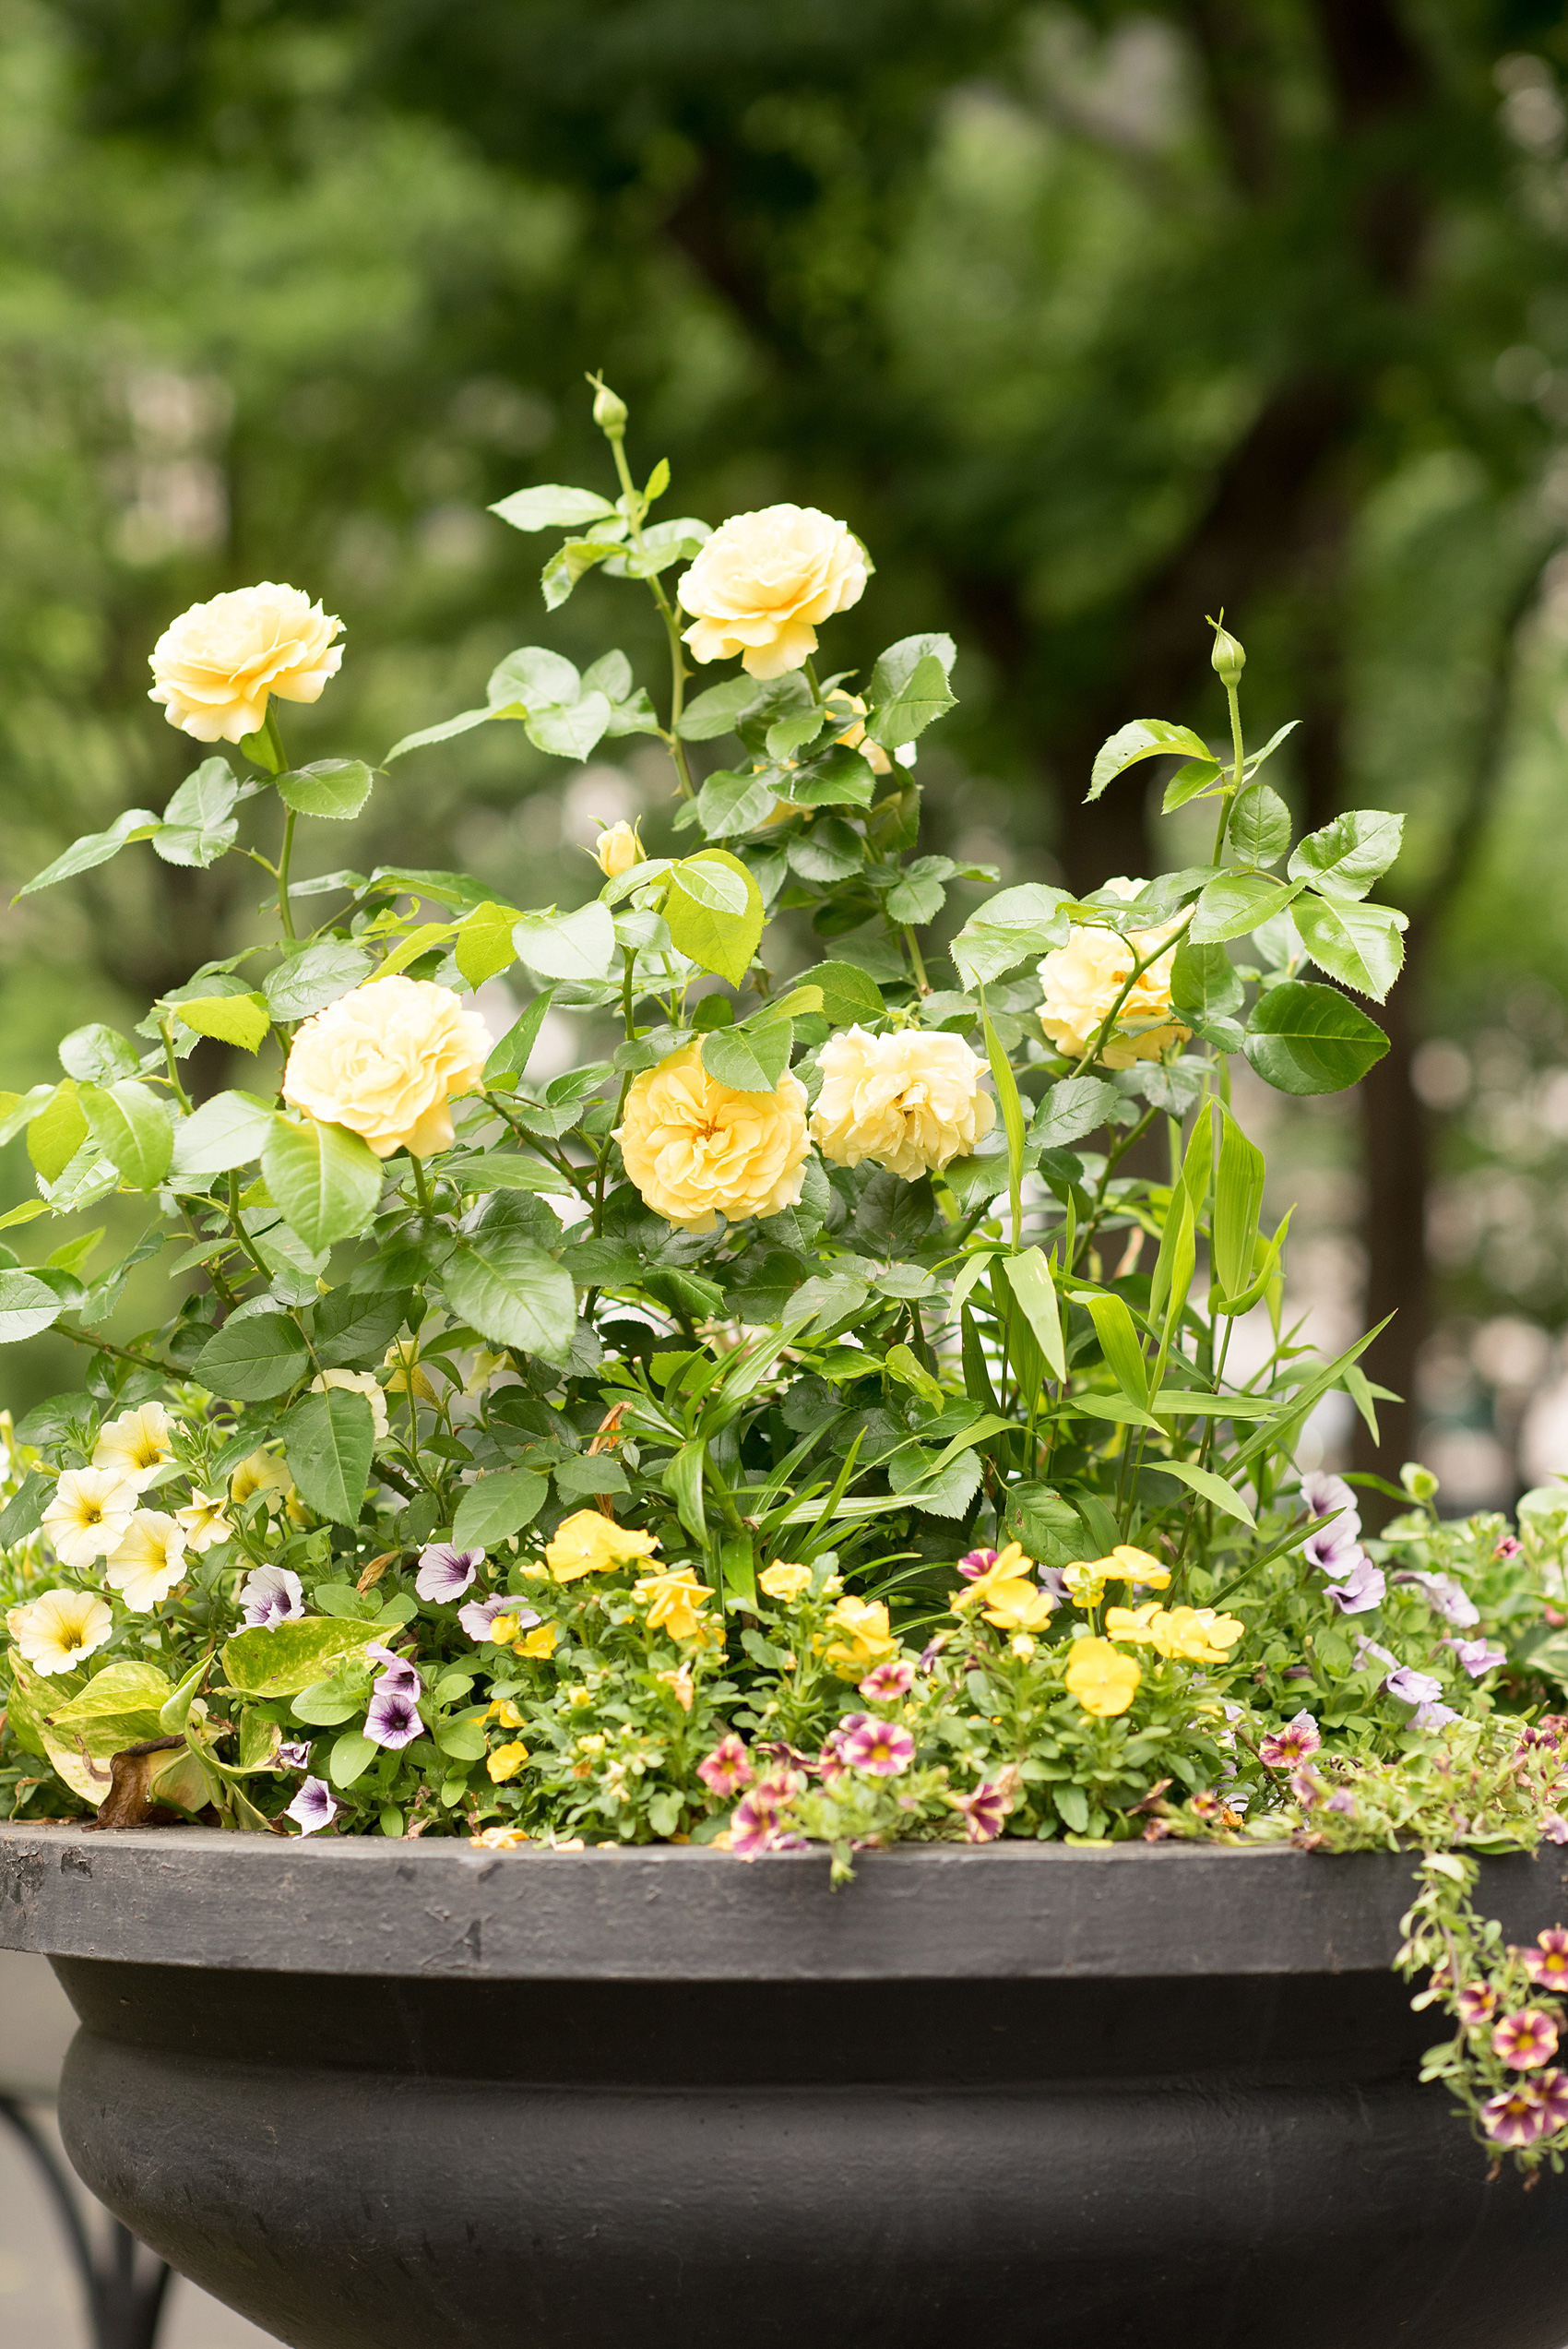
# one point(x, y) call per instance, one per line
point(1092, 319)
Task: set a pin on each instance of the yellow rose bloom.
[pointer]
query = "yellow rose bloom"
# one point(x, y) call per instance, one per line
point(59, 1628)
point(135, 1445)
point(385, 1062)
point(504, 1762)
point(910, 1102)
point(590, 1543)
point(217, 665)
point(617, 850)
point(865, 1637)
point(150, 1561)
point(1103, 1682)
point(763, 582)
point(89, 1514)
point(782, 1580)
point(1084, 979)
point(674, 1601)
point(697, 1149)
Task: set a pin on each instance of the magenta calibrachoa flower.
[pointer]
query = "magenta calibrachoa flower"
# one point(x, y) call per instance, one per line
point(983, 1812)
point(1299, 1737)
point(1547, 1963)
point(314, 1807)
point(888, 1681)
point(1476, 2004)
point(880, 1747)
point(974, 1563)
point(1526, 2039)
point(446, 1572)
point(753, 1823)
point(727, 1769)
point(1528, 2111)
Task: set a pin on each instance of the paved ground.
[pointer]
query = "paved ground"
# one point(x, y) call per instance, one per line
point(40, 2299)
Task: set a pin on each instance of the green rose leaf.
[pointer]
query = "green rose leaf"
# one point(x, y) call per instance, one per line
point(131, 1127)
point(1008, 927)
point(57, 1130)
point(579, 946)
point(197, 826)
point(496, 1506)
point(841, 777)
point(1346, 857)
point(733, 803)
point(715, 913)
point(1234, 903)
point(334, 787)
point(353, 1328)
point(1306, 1039)
point(233, 1020)
point(895, 667)
point(1360, 945)
point(1144, 738)
point(720, 710)
point(227, 1131)
point(1204, 984)
point(26, 1306)
point(292, 1656)
point(325, 1179)
point(501, 1281)
point(916, 704)
point(1073, 1108)
point(255, 1355)
point(484, 946)
point(847, 995)
point(1191, 782)
point(448, 729)
point(553, 506)
point(328, 1440)
point(314, 977)
point(918, 895)
point(571, 562)
point(511, 1056)
point(753, 1059)
point(829, 852)
point(570, 730)
point(1260, 825)
point(97, 1055)
point(94, 848)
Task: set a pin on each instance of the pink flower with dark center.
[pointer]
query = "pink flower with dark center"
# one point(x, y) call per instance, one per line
point(888, 1681)
point(1547, 1963)
point(932, 1649)
point(1341, 1800)
point(1554, 1827)
point(1507, 1548)
point(1526, 2039)
point(753, 1823)
point(976, 1563)
point(880, 1747)
point(727, 1769)
point(1307, 1788)
point(983, 1812)
point(1283, 1748)
point(1477, 2003)
point(1529, 2111)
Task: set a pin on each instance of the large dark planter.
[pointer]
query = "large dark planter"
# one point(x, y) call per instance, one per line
point(377, 2093)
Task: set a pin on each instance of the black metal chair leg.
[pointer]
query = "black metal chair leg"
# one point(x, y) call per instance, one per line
point(125, 2291)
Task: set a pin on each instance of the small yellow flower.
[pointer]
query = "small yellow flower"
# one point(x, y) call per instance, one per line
point(1086, 1580)
point(681, 1685)
point(617, 849)
point(1103, 1681)
point(59, 1628)
point(88, 1517)
point(1009, 1599)
point(1196, 1635)
point(866, 1637)
point(1126, 1564)
point(590, 1543)
point(853, 705)
point(203, 1523)
point(405, 1376)
point(505, 1761)
point(1133, 1622)
point(1021, 1645)
point(541, 1640)
point(503, 1711)
point(135, 1446)
point(262, 1473)
point(782, 1580)
point(150, 1561)
point(499, 1839)
point(674, 1601)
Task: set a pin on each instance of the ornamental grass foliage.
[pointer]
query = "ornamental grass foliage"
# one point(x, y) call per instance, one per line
point(817, 1421)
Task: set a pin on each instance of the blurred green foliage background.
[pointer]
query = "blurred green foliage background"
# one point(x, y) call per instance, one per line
point(1088, 318)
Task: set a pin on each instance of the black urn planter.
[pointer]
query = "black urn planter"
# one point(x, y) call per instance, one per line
point(377, 2093)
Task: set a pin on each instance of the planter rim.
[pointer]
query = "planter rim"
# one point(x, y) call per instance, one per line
point(202, 1898)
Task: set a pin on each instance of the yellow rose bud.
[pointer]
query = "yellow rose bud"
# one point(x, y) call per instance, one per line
point(505, 1761)
point(617, 850)
point(910, 1102)
point(782, 1580)
point(1103, 1682)
point(217, 665)
point(697, 1149)
point(385, 1060)
point(1084, 979)
point(590, 1543)
point(763, 582)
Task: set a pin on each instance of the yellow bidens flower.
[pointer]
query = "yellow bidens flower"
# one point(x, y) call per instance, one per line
point(763, 582)
point(590, 1543)
point(358, 1382)
point(782, 1580)
point(1084, 979)
point(150, 1561)
point(385, 1060)
point(1005, 1593)
point(617, 849)
point(505, 1761)
point(135, 1446)
point(910, 1102)
point(674, 1601)
point(202, 1521)
point(88, 1515)
point(217, 665)
point(865, 1637)
point(1197, 1634)
point(697, 1149)
point(59, 1628)
point(1103, 1682)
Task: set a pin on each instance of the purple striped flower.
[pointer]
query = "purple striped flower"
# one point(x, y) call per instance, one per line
point(983, 1812)
point(480, 1613)
point(392, 1719)
point(399, 1678)
point(1363, 1587)
point(294, 1754)
point(446, 1572)
point(271, 1595)
point(1284, 1747)
point(880, 1747)
point(1478, 1656)
point(314, 1807)
point(975, 1563)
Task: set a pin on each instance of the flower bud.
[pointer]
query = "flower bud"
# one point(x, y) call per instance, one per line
point(618, 849)
point(608, 410)
point(1227, 658)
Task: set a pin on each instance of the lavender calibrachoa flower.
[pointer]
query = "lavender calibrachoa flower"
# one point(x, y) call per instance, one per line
point(294, 1754)
point(314, 1807)
point(1365, 1585)
point(446, 1572)
point(1478, 1656)
point(392, 1719)
point(1453, 1603)
point(480, 1614)
point(271, 1595)
point(400, 1678)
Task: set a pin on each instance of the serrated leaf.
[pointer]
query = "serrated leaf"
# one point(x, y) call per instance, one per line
point(328, 1441)
point(233, 1020)
point(1204, 984)
point(731, 802)
point(447, 730)
point(752, 1059)
point(484, 946)
point(514, 1294)
point(569, 730)
point(533, 678)
point(1007, 928)
point(828, 854)
point(325, 1180)
point(840, 778)
point(292, 1656)
point(511, 1056)
point(252, 1358)
point(131, 1127)
point(496, 1506)
point(849, 995)
point(571, 561)
point(1071, 1109)
point(1144, 738)
point(579, 946)
point(336, 788)
point(553, 506)
point(57, 1131)
point(918, 895)
point(1259, 830)
point(418, 941)
point(923, 697)
point(790, 732)
point(26, 1306)
point(1358, 944)
point(227, 1131)
point(719, 941)
point(1191, 782)
point(896, 666)
point(94, 848)
point(1346, 857)
point(314, 977)
point(1307, 1038)
point(720, 710)
point(1233, 903)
